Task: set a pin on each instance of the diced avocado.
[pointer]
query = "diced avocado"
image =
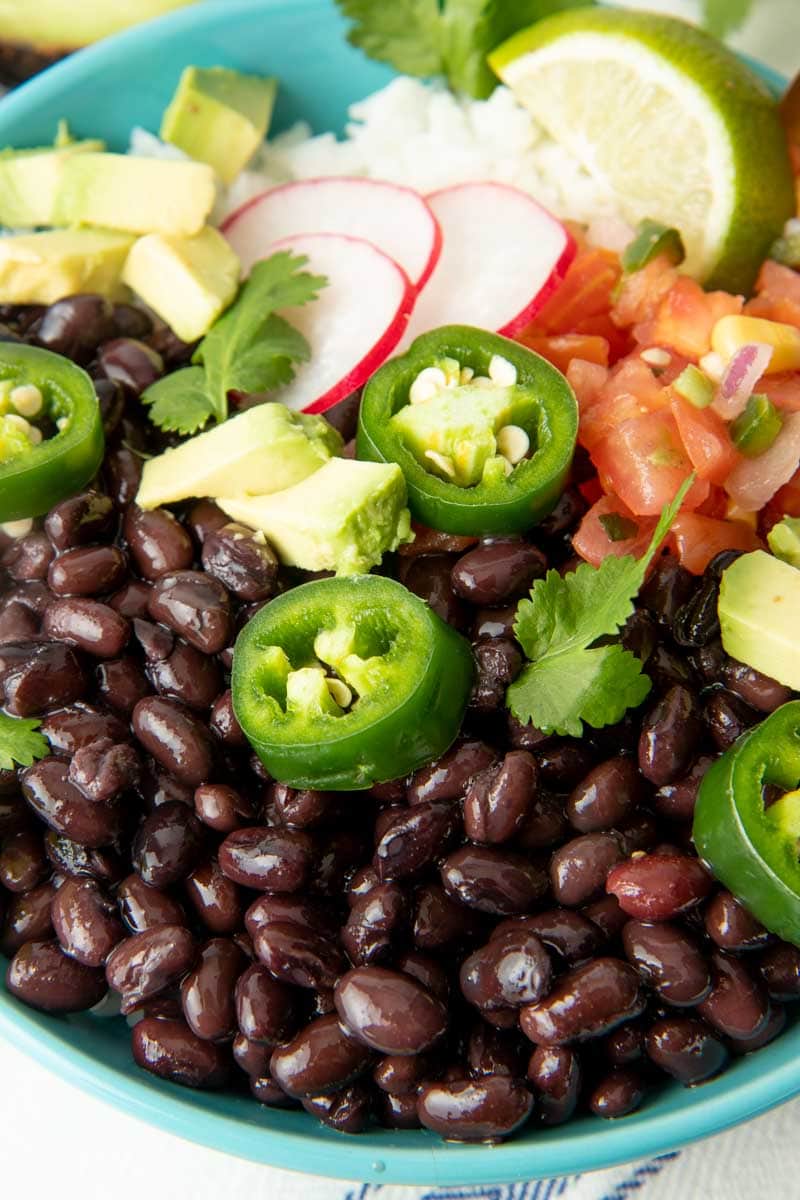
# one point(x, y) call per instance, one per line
point(459, 424)
point(759, 602)
point(188, 281)
point(784, 540)
point(40, 268)
point(135, 194)
point(29, 183)
point(219, 117)
point(343, 518)
point(262, 450)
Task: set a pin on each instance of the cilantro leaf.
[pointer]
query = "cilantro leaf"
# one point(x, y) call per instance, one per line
point(569, 678)
point(19, 742)
point(405, 33)
point(239, 347)
point(722, 17)
point(179, 403)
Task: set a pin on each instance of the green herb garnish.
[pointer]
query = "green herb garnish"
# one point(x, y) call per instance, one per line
point(249, 349)
point(444, 37)
point(19, 742)
point(570, 679)
point(618, 528)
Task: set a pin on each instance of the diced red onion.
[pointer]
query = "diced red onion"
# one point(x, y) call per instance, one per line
point(740, 378)
point(754, 481)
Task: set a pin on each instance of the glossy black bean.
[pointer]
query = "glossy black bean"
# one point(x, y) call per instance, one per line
point(303, 809)
point(737, 1005)
point(448, 777)
point(731, 926)
point(207, 992)
point(395, 1111)
point(87, 517)
point(268, 860)
point(131, 599)
point(338, 853)
point(497, 571)
point(14, 812)
point(251, 1057)
point(779, 967)
point(389, 1011)
point(121, 683)
point(676, 801)
point(76, 325)
point(429, 577)
point(297, 956)
point(696, 623)
point(169, 1049)
point(607, 916)
point(624, 1046)
point(132, 322)
point(510, 970)
point(321, 1058)
point(17, 623)
point(669, 960)
point(608, 794)
point(414, 838)
point(187, 675)
point(657, 887)
point(241, 560)
point(427, 971)
point(756, 690)
point(104, 769)
point(167, 845)
point(727, 717)
point(670, 735)
point(81, 862)
point(767, 1032)
point(299, 910)
point(38, 676)
point(222, 722)
point(578, 870)
point(157, 541)
point(43, 977)
point(493, 881)
point(572, 936)
point(58, 803)
point(175, 738)
point(147, 963)
point(481, 1110)
point(87, 571)
point(86, 922)
point(618, 1093)
point(348, 1110)
point(373, 924)
point(130, 362)
point(491, 1051)
point(667, 589)
point(562, 765)
point(499, 798)
point(686, 1048)
point(27, 918)
point(495, 623)
point(265, 1008)
point(222, 808)
point(545, 823)
point(93, 627)
point(498, 661)
point(401, 1074)
point(28, 558)
point(586, 1002)
point(440, 921)
point(195, 606)
point(34, 595)
point(23, 862)
point(555, 1073)
point(143, 908)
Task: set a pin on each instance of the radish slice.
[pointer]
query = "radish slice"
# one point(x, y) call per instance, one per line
point(355, 323)
point(754, 481)
point(395, 219)
point(503, 255)
point(740, 378)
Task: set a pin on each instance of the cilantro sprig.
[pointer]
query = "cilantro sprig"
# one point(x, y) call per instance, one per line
point(570, 678)
point(444, 37)
point(249, 349)
point(19, 742)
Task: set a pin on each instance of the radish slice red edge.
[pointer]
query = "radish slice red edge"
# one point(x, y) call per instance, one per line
point(345, 325)
point(496, 235)
point(394, 218)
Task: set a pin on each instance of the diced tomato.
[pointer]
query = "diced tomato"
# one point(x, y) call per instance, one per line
point(561, 348)
point(697, 539)
point(586, 380)
point(642, 291)
point(584, 292)
point(777, 294)
point(783, 390)
point(785, 503)
point(631, 390)
point(619, 341)
point(716, 503)
point(785, 311)
point(686, 316)
point(591, 490)
point(592, 541)
point(706, 440)
point(643, 461)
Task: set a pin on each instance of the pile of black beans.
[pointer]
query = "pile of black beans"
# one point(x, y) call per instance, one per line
point(517, 933)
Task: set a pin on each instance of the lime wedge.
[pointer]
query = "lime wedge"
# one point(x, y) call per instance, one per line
point(669, 120)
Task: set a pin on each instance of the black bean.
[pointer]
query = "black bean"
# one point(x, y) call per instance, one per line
point(87, 517)
point(757, 690)
point(27, 918)
point(545, 823)
point(28, 558)
point(441, 922)
point(157, 541)
point(374, 921)
point(269, 860)
point(657, 887)
point(607, 916)
point(76, 325)
point(265, 1008)
point(685, 1048)
point(510, 970)
point(222, 808)
point(482, 1110)
point(121, 683)
point(295, 955)
point(216, 899)
point(727, 717)
point(143, 908)
point(147, 963)
point(86, 922)
point(389, 1011)
point(578, 870)
point(58, 803)
point(670, 734)
point(169, 1049)
point(130, 362)
point(43, 977)
point(624, 1046)
point(779, 967)
point(401, 1074)
point(555, 1073)
point(93, 627)
point(498, 661)
point(299, 910)
point(175, 738)
point(414, 838)
point(618, 1093)
point(495, 623)
point(607, 795)
point(321, 1058)
point(17, 623)
point(562, 765)
point(572, 936)
point(303, 808)
point(195, 606)
point(87, 571)
point(493, 881)
point(586, 1002)
point(499, 798)
point(44, 675)
point(731, 926)
point(132, 322)
point(497, 571)
point(774, 1025)
point(188, 676)
point(23, 863)
point(207, 992)
point(676, 801)
point(223, 723)
point(667, 589)
point(429, 577)
point(448, 777)
point(668, 960)
point(737, 1005)
point(131, 599)
point(241, 560)
point(168, 843)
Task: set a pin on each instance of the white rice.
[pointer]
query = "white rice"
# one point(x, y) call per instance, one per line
point(421, 135)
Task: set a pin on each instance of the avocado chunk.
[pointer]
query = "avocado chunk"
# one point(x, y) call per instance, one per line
point(759, 602)
point(40, 268)
point(219, 117)
point(262, 450)
point(135, 194)
point(343, 518)
point(188, 281)
point(784, 540)
point(29, 183)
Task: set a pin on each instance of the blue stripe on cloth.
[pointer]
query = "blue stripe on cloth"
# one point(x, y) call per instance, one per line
point(640, 1177)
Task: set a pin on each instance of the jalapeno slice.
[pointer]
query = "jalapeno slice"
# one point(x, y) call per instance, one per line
point(509, 497)
point(342, 683)
point(65, 421)
point(747, 820)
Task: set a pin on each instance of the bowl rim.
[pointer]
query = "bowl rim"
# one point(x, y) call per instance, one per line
point(379, 1158)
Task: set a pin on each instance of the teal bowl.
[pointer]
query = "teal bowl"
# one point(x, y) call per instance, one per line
point(102, 92)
